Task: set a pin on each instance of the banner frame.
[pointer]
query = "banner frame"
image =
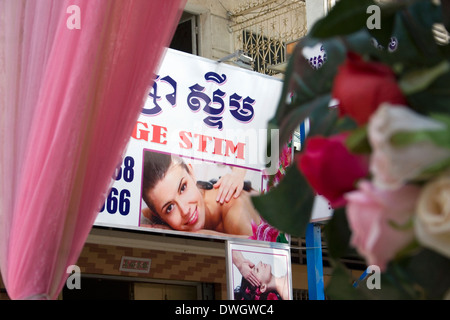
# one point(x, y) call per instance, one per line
point(257, 247)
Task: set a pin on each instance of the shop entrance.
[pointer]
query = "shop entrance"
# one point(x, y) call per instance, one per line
point(123, 288)
point(99, 289)
point(161, 291)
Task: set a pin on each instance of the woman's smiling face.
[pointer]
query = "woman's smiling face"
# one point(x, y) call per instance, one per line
point(178, 201)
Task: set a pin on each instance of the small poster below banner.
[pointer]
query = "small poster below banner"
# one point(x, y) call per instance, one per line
point(259, 271)
point(198, 153)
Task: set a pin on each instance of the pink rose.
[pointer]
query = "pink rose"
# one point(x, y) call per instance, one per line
point(330, 168)
point(371, 213)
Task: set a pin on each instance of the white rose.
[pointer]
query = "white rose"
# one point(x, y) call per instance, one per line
point(393, 166)
point(432, 225)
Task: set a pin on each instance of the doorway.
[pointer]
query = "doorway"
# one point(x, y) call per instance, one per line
point(162, 291)
point(125, 288)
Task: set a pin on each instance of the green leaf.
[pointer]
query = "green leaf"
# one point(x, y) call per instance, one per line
point(288, 206)
point(295, 116)
point(420, 79)
point(418, 20)
point(434, 170)
point(429, 270)
point(282, 238)
point(407, 251)
point(440, 138)
point(444, 118)
point(310, 90)
point(408, 225)
point(388, 15)
point(397, 285)
point(393, 285)
point(340, 285)
point(434, 99)
point(358, 142)
point(343, 287)
point(412, 27)
point(423, 275)
point(337, 234)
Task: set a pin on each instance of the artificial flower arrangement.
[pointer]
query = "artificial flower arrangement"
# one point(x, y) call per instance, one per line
point(378, 148)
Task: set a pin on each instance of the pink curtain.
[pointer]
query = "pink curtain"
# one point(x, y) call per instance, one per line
point(73, 79)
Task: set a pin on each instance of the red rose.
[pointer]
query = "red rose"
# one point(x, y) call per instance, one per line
point(362, 86)
point(330, 168)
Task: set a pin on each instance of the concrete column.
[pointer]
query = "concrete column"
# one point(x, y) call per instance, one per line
point(315, 9)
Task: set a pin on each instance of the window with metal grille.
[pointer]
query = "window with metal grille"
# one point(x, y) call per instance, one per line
point(264, 51)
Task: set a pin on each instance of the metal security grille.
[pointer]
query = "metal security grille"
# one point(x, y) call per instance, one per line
point(264, 51)
point(263, 28)
point(300, 294)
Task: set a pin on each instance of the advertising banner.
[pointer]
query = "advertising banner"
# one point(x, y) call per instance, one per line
point(259, 271)
point(201, 137)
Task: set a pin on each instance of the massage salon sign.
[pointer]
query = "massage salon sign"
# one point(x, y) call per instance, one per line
point(203, 127)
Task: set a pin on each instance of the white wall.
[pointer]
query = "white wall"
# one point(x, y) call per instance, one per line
point(315, 9)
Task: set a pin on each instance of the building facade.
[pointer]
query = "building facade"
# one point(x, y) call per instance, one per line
point(187, 267)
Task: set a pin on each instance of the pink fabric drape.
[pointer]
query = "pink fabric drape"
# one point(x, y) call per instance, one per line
point(69, 98)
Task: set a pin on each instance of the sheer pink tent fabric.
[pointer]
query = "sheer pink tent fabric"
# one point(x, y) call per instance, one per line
point(69, 98)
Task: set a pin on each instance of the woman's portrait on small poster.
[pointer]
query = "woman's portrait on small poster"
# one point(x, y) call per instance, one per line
point(259, 271)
